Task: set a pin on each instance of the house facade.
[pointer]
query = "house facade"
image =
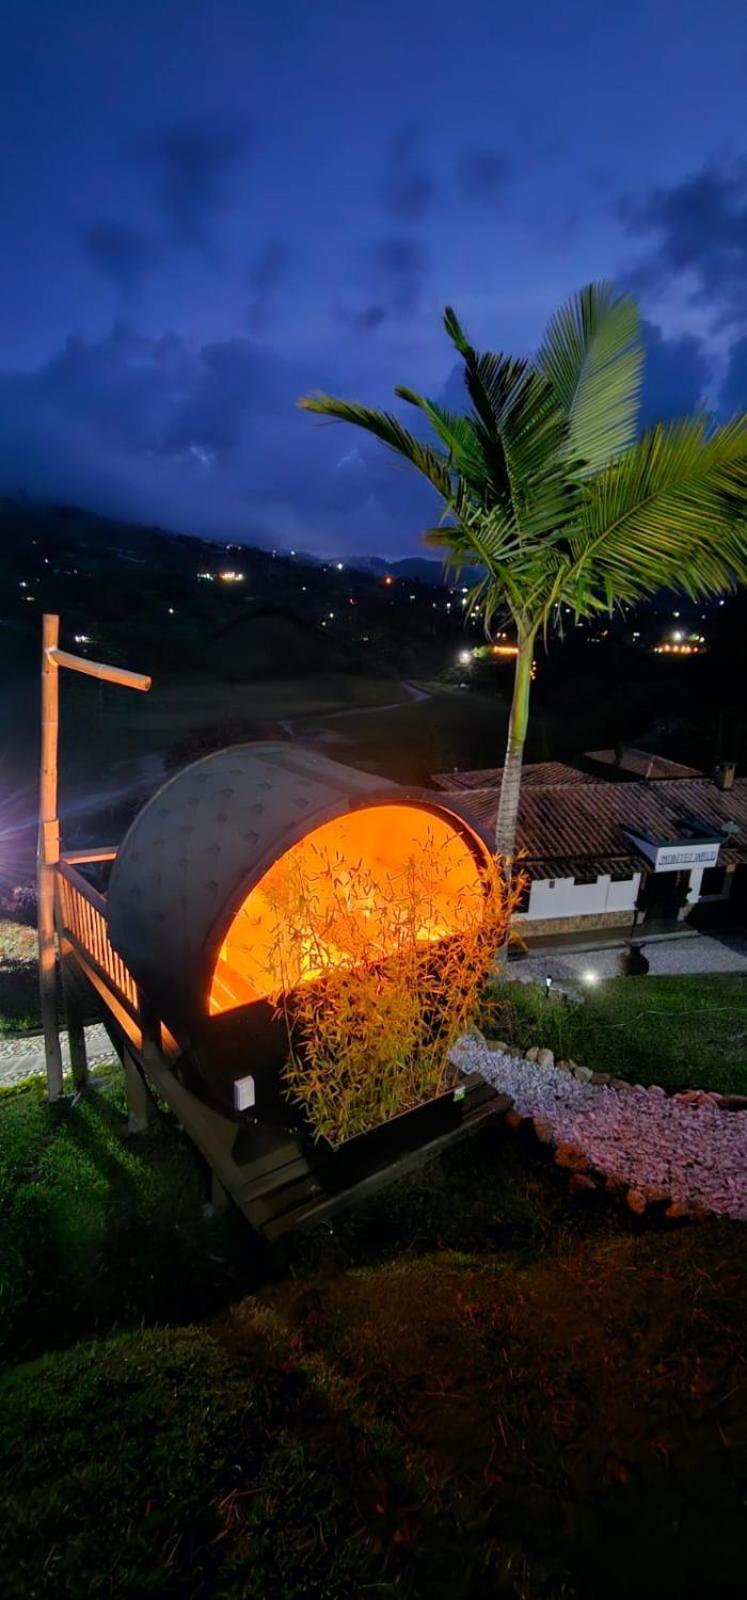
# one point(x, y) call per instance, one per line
point(625, 856)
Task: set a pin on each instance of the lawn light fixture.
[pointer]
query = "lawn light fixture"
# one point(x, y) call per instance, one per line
point(465, 656)
point(590, 977)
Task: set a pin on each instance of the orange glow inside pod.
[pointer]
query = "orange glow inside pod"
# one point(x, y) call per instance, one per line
point(351, 891)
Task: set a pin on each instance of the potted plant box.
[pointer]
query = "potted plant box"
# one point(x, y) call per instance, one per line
point(353, 1159)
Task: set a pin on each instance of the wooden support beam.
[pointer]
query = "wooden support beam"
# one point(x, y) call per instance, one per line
point(82, 858)
point(76, 1032)
point(139, 1109)
point(99, 669)
point(48, 854)
point(48, 851)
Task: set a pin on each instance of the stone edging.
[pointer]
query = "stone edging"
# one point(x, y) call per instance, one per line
point(585, 1179)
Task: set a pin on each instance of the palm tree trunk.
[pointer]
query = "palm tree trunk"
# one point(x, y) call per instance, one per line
point(508, 804)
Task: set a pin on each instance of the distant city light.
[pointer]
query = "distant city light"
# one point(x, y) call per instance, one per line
point(231, 577)
point(82, 638)
point(207, 577)
point(388, 579)
point(171, 611)
point(678, 637)
point(339, 566)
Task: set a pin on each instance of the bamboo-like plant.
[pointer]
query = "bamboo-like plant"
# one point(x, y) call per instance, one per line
point(548, 488)
point(369, 1033)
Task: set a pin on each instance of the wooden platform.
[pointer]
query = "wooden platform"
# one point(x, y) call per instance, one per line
point(271, 1178)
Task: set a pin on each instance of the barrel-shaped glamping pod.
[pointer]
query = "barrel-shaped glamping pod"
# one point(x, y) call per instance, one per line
point(218, 899)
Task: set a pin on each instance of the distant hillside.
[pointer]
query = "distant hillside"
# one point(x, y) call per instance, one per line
point(423, 568)
point(242, 649)
point(181, 604)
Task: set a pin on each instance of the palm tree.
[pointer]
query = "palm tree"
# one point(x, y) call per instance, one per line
point(548, 488)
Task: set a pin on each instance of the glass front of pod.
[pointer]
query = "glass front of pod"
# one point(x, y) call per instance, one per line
point(354, 890)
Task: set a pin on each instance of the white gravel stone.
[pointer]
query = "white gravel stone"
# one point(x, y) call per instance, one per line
point(693, 1150)
point(22, 1056)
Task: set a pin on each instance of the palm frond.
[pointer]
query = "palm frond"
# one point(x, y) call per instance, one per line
point(458, 434)
point(670, 513)
point(521, 428)
point(592, 354)
point(432, 463)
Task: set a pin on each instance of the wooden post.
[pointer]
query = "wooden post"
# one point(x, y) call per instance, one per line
point(138, 1099)
point(48, 854)
point(76, 1032)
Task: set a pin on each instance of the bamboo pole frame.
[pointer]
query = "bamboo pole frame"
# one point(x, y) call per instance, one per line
point(48, 849)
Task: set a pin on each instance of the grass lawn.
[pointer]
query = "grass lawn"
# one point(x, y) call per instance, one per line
point(19, 979)
point(681, 1032)
point(471, 1389)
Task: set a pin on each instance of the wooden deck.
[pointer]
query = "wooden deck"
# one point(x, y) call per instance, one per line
point(275, 1179)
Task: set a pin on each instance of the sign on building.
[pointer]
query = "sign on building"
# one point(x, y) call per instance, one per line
point(679, 855)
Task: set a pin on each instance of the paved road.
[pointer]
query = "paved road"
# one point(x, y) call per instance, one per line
point(307, 727)
point(706, 953)
point(23, 1057)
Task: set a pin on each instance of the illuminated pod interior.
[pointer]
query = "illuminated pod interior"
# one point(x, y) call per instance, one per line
point(349, 892)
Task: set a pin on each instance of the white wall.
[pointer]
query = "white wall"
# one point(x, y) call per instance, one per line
point(569, 899)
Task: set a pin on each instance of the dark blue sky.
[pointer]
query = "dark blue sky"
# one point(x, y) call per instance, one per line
point(210, 206)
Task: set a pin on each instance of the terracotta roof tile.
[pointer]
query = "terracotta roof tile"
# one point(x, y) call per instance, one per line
point(566, 822)
point(641, 764)
point(534, 774)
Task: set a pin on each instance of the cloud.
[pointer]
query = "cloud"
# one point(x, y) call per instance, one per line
point(697, 231)
point(392, 272)
point(676, 376)
point(399, 267)
point(120, 253)
point(408, 187)
point(733, 394)
point(193, 167)
point(203, 438)
point(266, 271)
point(482, 174)
point(367, 319)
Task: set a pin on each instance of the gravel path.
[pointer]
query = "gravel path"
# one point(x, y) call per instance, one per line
point(704, 953)
point(696, 1152)
point(23, 1057)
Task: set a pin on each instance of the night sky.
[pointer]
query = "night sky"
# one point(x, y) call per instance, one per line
point(211, 206)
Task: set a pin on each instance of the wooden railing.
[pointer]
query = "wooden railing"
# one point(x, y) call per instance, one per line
point(82, 921)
